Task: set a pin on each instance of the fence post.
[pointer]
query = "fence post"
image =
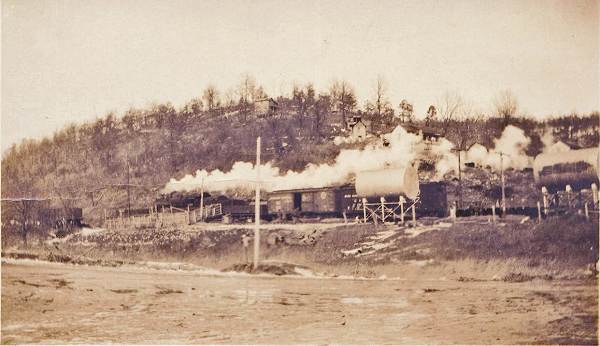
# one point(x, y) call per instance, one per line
point(189, 216)
point(364, 203)
point(545, 195)
point(414, 215)
point(493, 213)
point(382, 200)
point(587, 212)
point(345, 217)
point(401, 200)
point(539, 212)
point(595, 195)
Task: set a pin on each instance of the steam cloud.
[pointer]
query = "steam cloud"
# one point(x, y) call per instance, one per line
point(404, 148)
point(399, 153)
point(512, 144)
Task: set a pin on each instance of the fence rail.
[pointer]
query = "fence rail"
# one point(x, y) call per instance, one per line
point(170, 217)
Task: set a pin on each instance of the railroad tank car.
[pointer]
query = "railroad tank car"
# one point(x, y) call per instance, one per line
point(386, 182)
point(577, 168)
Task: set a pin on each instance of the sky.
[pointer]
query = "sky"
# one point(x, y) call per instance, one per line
point(74, 61)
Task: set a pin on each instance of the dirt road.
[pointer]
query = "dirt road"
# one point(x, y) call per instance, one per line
point(57, 303)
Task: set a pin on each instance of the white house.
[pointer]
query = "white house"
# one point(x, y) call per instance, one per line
point(358, 129)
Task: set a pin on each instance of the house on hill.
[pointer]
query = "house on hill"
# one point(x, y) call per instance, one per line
point(266, 106)
point(358, 129)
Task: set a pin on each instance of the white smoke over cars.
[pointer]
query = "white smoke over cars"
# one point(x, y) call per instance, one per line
point(403, 149)
point(551, 146)
point(399, 153)
point(512, 144)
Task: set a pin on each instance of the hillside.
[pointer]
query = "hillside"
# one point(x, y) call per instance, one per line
point(91, 165)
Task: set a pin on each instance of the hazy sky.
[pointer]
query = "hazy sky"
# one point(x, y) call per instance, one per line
point(66, 61)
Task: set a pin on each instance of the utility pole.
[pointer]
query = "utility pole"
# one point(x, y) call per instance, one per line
point(502, 180)
point(128, 188)
point(459, 180)
point(202, 200)
point(257, 207)
point(459, 205)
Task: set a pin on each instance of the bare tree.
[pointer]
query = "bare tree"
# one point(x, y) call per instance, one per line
point(464, 127)
point(249, 92)
point(506, 105)
point(342, 94)
point(431, 114)
point(321, 108)
point(450, 107)
point(303, 100)
point(380, 108)
point(406, 111)
point(211, 98)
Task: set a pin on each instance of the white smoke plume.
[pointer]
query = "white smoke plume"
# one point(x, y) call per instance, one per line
point(551, 146)
point(399, 153)
point(403, 149)
point(512, 144)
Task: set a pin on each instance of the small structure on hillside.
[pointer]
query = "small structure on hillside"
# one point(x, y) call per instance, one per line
point(429, 133)
point(266, 106)
point(358, 129)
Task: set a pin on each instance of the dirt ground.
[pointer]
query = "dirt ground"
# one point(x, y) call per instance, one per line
point(52, 303)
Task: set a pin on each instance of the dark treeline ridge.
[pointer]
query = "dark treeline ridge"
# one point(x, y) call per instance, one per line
point(90, 165)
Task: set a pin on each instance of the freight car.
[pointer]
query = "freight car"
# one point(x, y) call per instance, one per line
point(335, 201)
point(577, 168)
point(326, 201)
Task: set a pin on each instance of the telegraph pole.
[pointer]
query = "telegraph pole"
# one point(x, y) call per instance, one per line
point(257, 207)
point(459, 205)
point(502, 180)
point(202, 200)
point(459, 180)
point(128, 188)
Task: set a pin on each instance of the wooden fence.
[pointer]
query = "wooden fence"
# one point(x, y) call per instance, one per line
point(174, 217)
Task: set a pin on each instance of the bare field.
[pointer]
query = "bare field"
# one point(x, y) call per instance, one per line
point(61, 303)
point(469, 283)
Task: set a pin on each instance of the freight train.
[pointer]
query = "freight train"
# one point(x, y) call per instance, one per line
point(331, 201)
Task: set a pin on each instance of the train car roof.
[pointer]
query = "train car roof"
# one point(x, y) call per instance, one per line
point(311, 189)
point(589, 155)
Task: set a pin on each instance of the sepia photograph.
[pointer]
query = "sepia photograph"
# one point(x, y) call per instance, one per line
point(235, 172)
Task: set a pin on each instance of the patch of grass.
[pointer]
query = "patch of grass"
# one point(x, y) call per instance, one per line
point(163, 290)
point(23, 282)
point(125, 290)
